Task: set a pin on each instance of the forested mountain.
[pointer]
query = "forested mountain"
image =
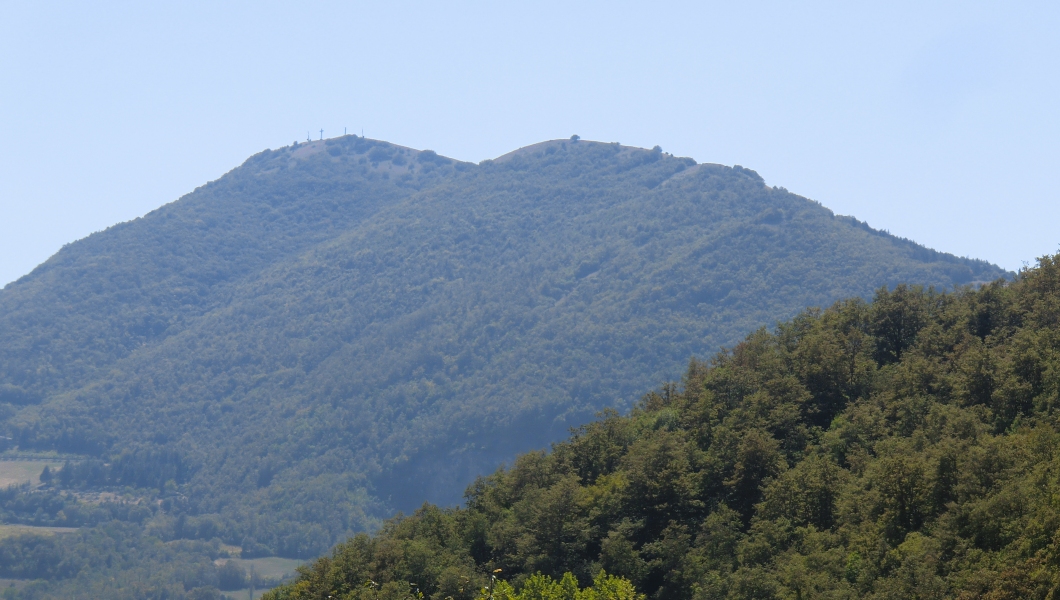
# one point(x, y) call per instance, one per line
point(907, 448)
point(344, 327)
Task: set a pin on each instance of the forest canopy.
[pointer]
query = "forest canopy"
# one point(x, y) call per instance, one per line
point(906, 447)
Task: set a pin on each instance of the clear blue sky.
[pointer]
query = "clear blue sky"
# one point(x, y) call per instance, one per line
point(936, 121)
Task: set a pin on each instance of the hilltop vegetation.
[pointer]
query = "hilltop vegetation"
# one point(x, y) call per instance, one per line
point(338, 329)
point(899, 449)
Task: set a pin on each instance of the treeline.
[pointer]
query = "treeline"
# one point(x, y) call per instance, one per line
point(168, 517)
point(908, 447)
point(536, 587)
point(142, 468)
point(56, 508)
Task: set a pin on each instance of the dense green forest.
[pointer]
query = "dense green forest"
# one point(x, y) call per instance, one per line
point(903, 448)
point(343, 328)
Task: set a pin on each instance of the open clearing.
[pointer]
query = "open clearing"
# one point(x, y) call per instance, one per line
point(16, 472)
point(11, 530)
point(243, 593)
point(269, 567)
point(17, 584)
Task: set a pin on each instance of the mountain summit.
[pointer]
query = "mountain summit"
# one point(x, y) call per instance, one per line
point(340, 328)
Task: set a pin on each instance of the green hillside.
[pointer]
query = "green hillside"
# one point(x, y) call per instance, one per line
point(343, 328)
point(907, 448)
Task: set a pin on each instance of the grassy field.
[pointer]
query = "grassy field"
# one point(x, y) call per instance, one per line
point(18, 584)
point(269, 567)
point(14, 472)
point(243, 594)
point(10, 530)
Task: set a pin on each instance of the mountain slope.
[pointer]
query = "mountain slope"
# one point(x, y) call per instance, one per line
point(903, 448)
point(101, 298)
point(369, 326)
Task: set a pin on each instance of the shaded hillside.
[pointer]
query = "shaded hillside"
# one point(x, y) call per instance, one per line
point(907, 448)
point(338, 329)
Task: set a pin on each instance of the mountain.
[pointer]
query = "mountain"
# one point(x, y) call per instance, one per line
point(342, 328)
point(903, 448)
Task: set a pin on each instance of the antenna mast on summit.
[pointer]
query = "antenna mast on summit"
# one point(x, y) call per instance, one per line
point(321, 134)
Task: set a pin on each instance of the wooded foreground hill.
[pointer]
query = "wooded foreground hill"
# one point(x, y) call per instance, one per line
point(907, 448)
point(346, 327)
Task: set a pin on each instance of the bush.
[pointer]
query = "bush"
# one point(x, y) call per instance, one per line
point(231, 576)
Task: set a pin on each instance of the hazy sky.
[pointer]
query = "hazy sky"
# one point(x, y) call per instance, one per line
point(936, 121)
